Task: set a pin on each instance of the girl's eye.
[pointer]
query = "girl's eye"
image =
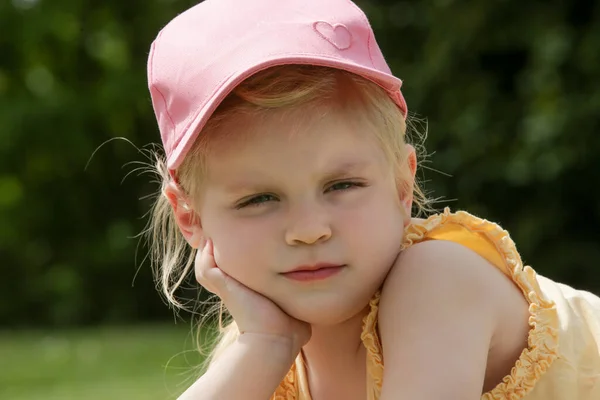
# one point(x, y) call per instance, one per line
point(256, 201)
point(346, 185)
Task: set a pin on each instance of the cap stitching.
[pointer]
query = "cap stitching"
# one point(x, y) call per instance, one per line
point(332, 40)
point(166, 112)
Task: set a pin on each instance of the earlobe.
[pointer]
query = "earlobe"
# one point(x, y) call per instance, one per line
point(186, 218)
point(412, 160)
point(409, 185)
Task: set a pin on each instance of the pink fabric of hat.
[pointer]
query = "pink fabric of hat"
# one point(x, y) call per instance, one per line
point(202, 54)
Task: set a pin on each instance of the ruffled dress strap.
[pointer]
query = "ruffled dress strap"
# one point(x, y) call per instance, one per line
point(370, 339)
point(288, 388)
point(494, 244)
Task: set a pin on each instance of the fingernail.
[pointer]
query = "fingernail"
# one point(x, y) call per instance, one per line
point(209, 247)
point(201, 243)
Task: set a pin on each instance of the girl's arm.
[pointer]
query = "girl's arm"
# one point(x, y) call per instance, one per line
point(251, 368)
point(439, 309)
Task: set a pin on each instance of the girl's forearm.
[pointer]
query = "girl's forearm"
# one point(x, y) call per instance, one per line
point(251, 368)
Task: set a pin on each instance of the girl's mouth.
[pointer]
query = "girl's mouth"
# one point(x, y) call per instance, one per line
point(306, 273)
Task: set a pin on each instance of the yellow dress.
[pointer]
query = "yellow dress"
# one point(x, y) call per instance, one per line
point(562, 360)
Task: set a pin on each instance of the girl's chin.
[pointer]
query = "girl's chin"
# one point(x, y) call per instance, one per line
point(326, 313)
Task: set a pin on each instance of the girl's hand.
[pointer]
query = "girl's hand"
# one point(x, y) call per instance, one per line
point(252, 312)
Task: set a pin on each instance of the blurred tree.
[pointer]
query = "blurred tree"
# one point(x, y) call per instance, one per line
point(510, 90)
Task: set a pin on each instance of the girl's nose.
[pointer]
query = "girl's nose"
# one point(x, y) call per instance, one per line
point(310, 225)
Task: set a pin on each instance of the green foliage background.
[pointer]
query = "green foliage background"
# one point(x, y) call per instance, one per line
point(510, 90)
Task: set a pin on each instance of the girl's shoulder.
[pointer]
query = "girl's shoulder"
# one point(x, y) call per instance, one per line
point(459, 279)
point(457, 258)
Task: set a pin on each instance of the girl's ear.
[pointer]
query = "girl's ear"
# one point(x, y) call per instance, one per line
point(408, 186)
point(185, 216)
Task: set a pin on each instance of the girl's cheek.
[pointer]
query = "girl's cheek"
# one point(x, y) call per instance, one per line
point(232, 254)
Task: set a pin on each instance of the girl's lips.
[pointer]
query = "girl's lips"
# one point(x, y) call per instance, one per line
point(313, 273)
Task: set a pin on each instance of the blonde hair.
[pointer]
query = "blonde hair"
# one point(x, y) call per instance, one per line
point(283, 88)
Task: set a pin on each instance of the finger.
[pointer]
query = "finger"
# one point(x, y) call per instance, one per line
point(209, 247)
point(219, 279)
point(213, 278)
point(208, 274)
point(201, 243)
point(205, 266)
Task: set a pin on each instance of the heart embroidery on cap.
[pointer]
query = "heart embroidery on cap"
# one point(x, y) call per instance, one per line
point(338, 35)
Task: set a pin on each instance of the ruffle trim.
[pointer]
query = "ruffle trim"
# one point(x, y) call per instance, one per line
point(288, 388)
point(370, 340)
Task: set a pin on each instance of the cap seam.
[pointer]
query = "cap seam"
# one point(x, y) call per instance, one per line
point(154, 86)
point(366, 21)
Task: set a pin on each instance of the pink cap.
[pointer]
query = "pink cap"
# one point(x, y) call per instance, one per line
point(202, 54)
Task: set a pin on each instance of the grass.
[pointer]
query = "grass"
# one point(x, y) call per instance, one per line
point(149, 363)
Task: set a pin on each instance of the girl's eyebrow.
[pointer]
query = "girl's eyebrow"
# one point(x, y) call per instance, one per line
point(345, 168)
point(244, 186)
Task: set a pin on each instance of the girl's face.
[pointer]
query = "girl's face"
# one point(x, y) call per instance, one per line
point(279, 196)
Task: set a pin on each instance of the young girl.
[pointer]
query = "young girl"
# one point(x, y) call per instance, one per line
point(288, 175)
